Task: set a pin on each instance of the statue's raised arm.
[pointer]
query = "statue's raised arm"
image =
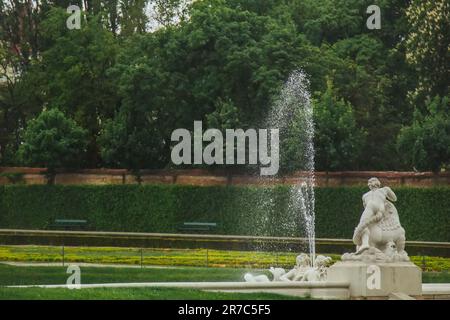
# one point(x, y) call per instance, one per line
point(390, 195)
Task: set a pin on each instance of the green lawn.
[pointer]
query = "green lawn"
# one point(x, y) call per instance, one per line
point(436, 277)
point(131, 294)
point(12, 275)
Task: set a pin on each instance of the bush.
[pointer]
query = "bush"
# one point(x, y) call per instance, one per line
point(424, 213)
point(425, 144)
point(53, 140)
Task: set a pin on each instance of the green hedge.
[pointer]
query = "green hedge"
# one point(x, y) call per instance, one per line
point(425, 213)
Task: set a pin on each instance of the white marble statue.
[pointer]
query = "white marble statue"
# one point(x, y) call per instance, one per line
point(302, 271)
point(321, 264)
point(303, 264)
point(248, 277)
point(277, 273)
point(379, 235)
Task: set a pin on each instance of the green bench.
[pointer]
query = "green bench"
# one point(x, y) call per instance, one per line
point(197, 227)
point(69, 224)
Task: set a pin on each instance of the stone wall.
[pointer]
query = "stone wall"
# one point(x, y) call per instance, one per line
point(201, 177)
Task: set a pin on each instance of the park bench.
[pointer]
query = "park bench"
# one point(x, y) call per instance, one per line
point(197, 227)
point(69, 224)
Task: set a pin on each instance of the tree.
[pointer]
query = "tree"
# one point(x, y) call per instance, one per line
point(169, 12)
point(220, 61)
point(224, 117)
point(365, 80)
point(54, 141)
point(428, 46)
point(131, 140)
point(328, 20)
point(133, 18)
point(220, 53)
point(19, 47)
point(338, 139)
point(367, 67)
point(73, 74)
point(425, 144)
point(11, 112)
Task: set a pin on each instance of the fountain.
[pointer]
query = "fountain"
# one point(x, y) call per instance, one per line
point(292, 114)
point(380, 266)
point(379, 236)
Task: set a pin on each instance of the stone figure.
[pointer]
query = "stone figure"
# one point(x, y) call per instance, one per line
point(277, 273)
point(379, 235)
point(321, 265)
point(248, 277)
point(302, 271)
point(303, 263)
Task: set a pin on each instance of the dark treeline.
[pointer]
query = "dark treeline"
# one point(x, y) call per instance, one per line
point(111, 93)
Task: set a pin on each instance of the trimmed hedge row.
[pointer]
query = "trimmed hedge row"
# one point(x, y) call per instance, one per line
point(424, 213)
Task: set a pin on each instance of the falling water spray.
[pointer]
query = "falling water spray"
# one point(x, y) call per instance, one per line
point(292, 114)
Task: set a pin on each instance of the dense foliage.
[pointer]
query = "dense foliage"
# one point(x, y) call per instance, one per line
point(51, 140)
point(237, 210)
point(426, 142)
point(131, 76)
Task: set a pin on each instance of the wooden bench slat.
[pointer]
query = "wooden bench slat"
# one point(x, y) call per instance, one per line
point(197, 226)
point(69, 223)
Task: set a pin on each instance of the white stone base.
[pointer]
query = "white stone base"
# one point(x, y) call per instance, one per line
point(404, 277)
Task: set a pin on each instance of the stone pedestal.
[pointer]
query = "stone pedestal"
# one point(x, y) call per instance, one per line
point(378, 279)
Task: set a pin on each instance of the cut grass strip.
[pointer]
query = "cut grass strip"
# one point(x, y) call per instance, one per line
point(132, 294)
point(14, 275)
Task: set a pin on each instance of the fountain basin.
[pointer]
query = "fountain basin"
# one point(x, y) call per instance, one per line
point(378, 279)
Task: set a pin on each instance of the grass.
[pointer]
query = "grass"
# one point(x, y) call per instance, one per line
point(38, 275)
point(131, 294)
point(436, 277)
point(58, 275)
point(176, 257)
point(222, 266)
point(156, 257)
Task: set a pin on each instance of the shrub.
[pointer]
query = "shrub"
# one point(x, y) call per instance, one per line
point(242, 210)
point(425, 144)
point(53, 140)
